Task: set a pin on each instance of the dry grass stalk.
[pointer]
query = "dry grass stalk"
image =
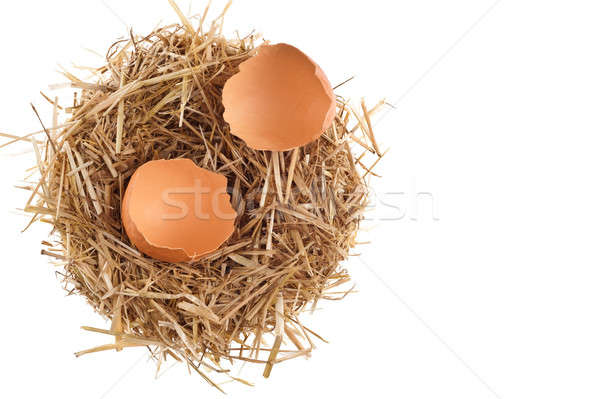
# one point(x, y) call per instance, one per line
point(159, 96)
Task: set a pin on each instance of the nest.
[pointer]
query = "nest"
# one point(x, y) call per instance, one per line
point(159, 97)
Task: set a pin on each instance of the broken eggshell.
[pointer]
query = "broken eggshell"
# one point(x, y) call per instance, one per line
point(279, 100)
point(175, 211)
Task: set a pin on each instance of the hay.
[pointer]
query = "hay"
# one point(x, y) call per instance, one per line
point(159, 96)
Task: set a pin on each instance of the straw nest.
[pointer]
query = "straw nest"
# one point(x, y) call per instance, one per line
point(159, 97)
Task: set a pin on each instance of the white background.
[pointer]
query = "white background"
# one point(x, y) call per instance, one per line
point(497, 121)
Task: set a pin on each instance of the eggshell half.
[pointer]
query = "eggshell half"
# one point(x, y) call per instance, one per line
point(279, 100)
point(175, 211)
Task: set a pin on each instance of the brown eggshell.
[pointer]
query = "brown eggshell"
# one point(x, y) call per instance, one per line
point(176, 211)
point(279, 100)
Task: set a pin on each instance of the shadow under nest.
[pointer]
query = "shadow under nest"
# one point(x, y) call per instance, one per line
point(159, 97)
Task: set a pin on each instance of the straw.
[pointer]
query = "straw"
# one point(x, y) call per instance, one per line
point(159, 97)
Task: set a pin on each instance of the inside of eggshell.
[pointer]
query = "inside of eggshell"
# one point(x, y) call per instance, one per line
point(159, 97)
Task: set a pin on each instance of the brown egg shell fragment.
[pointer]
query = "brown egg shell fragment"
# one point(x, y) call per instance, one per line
point(160, 213)
point(279, 100)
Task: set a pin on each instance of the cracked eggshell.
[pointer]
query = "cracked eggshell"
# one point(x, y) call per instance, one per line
point(279, 100)
point(175, 211)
